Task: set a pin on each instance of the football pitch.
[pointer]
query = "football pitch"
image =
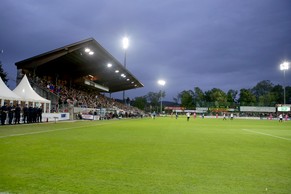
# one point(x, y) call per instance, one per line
point(162, 155)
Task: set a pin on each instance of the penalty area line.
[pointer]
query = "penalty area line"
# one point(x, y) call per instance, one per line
point(47, 131)
point(266, 134)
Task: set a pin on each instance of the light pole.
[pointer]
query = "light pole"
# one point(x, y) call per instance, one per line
point(283, 67)
point(125, 43)
point(162, 83)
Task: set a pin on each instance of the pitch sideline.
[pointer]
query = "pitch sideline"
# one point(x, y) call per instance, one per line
point(47, 131)
point(266, 134)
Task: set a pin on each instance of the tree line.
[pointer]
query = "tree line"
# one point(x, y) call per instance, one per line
point(264, 93)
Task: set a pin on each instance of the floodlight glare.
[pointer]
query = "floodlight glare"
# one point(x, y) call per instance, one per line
point(125, 42)
point(284, 66)
point(162, 82)
point(87, 50)
point(91, 53)
point(109, 65)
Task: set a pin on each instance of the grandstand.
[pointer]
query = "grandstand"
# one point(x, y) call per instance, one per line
point(78, 74)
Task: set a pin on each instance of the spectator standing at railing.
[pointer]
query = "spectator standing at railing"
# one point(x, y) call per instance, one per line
point(17, 114)
point(34, 114)
point(10, 110)
point(25, 114)
point(30, 114)
point(39, 114)
point(3, 113)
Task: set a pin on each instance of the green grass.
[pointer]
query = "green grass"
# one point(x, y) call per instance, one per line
point(164, 155)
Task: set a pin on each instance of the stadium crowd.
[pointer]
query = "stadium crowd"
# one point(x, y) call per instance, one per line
point(82, 97)
point(68, 97)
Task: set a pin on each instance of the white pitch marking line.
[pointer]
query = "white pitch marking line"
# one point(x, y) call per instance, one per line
point(47, 131)
point(267, 134)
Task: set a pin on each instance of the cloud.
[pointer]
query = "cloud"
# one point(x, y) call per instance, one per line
point(224, 44)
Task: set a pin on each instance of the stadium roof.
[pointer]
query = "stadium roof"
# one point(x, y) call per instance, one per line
point(90, 67)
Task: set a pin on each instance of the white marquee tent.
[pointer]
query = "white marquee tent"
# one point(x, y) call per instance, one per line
point(27, 94)
point(7, 94)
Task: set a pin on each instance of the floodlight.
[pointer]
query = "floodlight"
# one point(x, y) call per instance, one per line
point(284, 66)
point(125, 42)
point(162, 82)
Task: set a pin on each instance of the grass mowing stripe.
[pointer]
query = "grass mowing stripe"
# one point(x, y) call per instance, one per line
point(47, 131)
point(267, 134)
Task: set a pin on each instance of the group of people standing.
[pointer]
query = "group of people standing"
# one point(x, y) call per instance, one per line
point(11, 114)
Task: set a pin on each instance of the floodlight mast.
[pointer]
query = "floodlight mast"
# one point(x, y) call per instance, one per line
point(125, 43)
point(162, 83)
point(283, 67)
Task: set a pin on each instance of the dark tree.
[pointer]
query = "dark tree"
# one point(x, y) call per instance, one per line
point(140, 102)
point(3, 74)
point(187, 99)
point(246, 97)
point(262, 88)
point(217, 97)
point(153, 99)
point(231, 97)
point(199, 97)
point(278, 91)
point(288, 94)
